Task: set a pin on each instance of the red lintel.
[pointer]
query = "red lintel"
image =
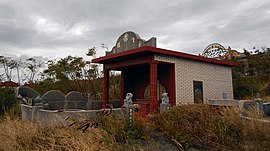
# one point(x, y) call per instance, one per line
point(155, 50)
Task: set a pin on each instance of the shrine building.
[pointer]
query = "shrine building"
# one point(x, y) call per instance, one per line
point(148, 71)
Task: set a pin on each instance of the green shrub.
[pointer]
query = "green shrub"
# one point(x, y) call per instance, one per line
point(117, 126)
point(8, 101)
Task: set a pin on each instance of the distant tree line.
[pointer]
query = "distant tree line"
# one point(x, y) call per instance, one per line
point(252, 76)
point(67, 74)
point(22, 70)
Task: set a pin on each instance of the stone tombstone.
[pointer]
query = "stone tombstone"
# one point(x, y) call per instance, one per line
point(165, 105)
point(27, 95)
point(25, 91)
point(130, 111)
point(37, 101)
point(266, 109)
point(75, 100)
point(259, 105)
point(130, 40)
point(252, 105)
point(55, 99)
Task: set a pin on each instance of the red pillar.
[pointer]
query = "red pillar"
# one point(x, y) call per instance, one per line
point(171, 92)
point(153, 88)
point(122, 96)
point(106, 87)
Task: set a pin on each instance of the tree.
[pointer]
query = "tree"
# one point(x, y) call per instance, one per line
point(74, 72)
point(9, 65)
point(92, 52)
point(33, 67)
point(5, 62)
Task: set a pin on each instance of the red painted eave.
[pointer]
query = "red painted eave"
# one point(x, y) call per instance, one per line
point(154, 50)
point(9, 83)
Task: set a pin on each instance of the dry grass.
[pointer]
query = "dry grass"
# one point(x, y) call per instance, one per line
point(117, 126)
point(18, 135)
point(207, 128)
point(266, 99)
point(199, 126)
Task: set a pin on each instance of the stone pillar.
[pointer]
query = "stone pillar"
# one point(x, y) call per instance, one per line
point(106, 87)
point(122, 93)
point(153, 88)
point(129, 113)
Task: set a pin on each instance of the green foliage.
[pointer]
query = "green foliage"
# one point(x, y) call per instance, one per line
point(91, 51)
point(73, 73)
point(46, 85)
point(8, 101)
point(246, 86)
point(251, 76)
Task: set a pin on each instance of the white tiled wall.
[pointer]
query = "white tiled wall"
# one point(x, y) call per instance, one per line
point(217, 79)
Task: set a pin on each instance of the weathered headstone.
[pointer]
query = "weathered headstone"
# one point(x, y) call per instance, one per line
point(259, 104)
point(55, 99)
point(266, 109)
point(25, 91)
point(75, 100)
point(27, 95)
point(252, 106)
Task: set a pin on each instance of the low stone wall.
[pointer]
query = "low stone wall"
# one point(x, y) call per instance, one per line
point(225, 102)
point(37, 114)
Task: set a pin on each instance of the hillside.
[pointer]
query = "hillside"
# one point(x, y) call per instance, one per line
point(251, 78)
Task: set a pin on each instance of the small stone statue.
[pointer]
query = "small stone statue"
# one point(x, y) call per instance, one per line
point(165, 98)
point(128, 100)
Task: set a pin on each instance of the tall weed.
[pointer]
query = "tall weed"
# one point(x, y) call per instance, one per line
point(209, 128)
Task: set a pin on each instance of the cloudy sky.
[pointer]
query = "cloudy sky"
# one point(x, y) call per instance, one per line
point(57, 28)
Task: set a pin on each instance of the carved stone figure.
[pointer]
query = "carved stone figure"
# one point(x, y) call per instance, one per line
point(165, 98)
point(128, 100)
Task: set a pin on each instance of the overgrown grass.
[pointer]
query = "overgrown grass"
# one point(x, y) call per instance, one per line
point(122, 131)
point(266, 99)
point(198, 126)
point(18, 135)
point(207, 128)
point(113, 133)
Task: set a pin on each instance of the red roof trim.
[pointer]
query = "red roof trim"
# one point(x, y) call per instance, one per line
point(9, 83)
point(164, 52)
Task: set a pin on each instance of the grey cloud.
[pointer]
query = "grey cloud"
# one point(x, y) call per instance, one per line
point(186, 25)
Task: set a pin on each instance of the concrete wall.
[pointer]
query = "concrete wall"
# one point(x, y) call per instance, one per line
point(216, 79)
point(36, 114)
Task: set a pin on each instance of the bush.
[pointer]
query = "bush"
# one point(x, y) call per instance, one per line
point(117, 126)
point(246, 86)
point(202, 126)
point(8, 101)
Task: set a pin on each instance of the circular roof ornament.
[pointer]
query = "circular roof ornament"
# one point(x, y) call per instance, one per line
point(214, 50)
